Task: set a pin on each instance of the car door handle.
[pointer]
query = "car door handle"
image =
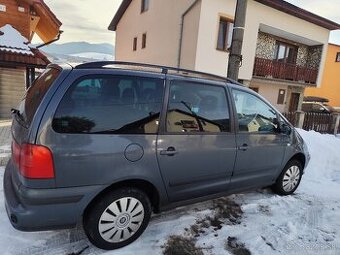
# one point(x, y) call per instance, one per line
point(171, 151)
point(244, 147)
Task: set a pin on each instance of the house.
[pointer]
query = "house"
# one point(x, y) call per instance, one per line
point(20, 20)
point(284, 48)
point(330, 85)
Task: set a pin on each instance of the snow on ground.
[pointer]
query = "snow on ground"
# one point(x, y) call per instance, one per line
point(5, 149)
point(94, 55)
point(305, 223)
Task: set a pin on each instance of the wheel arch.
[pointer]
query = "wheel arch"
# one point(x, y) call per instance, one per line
point(300, 157)
point(145, 186)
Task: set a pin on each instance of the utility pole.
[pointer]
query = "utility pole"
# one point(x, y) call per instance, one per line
point(235, 57)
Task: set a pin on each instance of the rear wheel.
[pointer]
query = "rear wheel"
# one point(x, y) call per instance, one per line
point(118, 218)
point(289, 179)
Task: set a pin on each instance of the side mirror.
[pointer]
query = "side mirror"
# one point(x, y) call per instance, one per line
point(285, 128)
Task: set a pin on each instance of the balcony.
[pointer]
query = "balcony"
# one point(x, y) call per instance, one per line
point(274, 69)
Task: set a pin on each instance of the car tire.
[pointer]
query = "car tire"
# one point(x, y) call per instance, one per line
point(118, 218)
point(289, 179)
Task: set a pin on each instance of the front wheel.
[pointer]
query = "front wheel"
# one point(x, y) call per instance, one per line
point(289, 179)
point(118, 218)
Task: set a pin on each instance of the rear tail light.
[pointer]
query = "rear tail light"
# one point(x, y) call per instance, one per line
point(33, 161)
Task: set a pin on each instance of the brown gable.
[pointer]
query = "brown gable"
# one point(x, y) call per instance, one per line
point(48, 25)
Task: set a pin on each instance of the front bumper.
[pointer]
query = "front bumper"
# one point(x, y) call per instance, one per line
point(45, 209)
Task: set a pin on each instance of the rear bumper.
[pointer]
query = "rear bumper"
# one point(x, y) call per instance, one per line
point(45, 209)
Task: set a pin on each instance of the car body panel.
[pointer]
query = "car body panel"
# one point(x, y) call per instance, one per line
point(87, 164)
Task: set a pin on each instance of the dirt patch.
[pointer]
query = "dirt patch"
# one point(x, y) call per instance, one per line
point(225, 211)
point(79, 252)
point(179, 245)
point(235, 247)
point(265, 209)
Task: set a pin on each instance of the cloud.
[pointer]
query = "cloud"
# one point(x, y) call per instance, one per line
point(85, 20)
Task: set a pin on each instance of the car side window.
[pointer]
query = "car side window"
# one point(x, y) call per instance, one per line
point(254, 115)
point(107, 104)
point(196, 107)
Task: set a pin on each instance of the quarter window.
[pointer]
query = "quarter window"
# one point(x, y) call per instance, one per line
point(225, 34)
point(196, 108)
point(254, 115)
point(111, 105)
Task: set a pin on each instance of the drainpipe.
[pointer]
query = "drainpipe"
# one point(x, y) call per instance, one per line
point(182, 30)
point(54, 40)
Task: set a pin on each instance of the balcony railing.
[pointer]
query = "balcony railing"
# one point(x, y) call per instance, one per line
point(284, 71)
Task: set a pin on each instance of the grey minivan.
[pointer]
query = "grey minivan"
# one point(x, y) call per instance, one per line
point(106, 144)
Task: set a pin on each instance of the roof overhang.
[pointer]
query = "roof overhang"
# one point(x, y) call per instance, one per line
point(38, 59)
point(287, 35)
point(119, 14)
point(48, 26)
point(276, 4)
point(300, 13)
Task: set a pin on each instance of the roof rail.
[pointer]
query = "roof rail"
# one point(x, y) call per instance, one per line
point(164, 69)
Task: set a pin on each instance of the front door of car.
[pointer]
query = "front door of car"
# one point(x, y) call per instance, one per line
point(196, 150)
point(261, 147)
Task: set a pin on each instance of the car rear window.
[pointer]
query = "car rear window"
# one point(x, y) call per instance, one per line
point(36, 92)
point(109, 104)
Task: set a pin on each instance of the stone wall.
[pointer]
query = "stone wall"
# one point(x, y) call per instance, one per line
point(306, 56)
point(302, 55)
point(265, 46)
point(314, 56)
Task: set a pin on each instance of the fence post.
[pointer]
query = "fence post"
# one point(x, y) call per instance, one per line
point(337, 122)
point(300, 119)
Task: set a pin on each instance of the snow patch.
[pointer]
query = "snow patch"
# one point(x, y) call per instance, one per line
point(94, 55)
point(11, 40)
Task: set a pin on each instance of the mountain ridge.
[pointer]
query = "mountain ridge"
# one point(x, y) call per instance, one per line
point(78, 47)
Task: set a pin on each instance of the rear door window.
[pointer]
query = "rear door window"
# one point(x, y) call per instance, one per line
point(36, 93)
point(105, 104)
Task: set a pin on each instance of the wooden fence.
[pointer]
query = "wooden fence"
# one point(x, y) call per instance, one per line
point(319, 122)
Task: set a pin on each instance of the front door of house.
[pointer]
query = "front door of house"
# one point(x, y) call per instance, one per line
point(294, 102)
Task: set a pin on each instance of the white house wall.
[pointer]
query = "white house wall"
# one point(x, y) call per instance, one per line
point(211, 60)
point(162, 25)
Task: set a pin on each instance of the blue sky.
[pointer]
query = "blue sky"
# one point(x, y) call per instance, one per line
point(87, 20)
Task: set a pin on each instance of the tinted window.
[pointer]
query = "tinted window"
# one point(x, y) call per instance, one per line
point(254, 115)
point(36, 93)
point(197, 108)
point(111, 105)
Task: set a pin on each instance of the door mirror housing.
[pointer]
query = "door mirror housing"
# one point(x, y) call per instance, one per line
point(285, 128)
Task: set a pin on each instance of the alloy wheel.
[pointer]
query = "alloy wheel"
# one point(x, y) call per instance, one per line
point(121, 220)
point(291, 178)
